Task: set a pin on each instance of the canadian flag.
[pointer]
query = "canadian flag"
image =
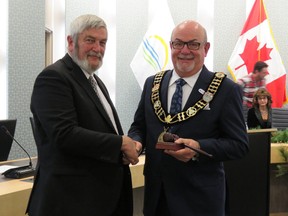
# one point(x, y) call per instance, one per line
point(256, 43)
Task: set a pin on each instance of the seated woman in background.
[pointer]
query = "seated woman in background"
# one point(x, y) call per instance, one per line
point(260, 115)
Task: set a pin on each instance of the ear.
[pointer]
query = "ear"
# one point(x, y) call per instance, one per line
point(206, 48)
point(70, 43)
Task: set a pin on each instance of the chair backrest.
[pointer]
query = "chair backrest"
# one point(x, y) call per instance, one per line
point(280, 118)
point(32, 126)
point(245, 112)
point(32, 122)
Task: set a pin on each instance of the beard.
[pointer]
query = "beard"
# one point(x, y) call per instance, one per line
point(185, 68)
point(184, 63)
point(84, 64)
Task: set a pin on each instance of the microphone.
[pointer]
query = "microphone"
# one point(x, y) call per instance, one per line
point(18, 172)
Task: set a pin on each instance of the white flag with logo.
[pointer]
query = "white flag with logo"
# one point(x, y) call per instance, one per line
point(153, 54)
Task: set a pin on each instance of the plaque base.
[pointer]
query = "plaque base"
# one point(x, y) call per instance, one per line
point(169, 146)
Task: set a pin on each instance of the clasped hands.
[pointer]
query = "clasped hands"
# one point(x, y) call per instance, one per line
point(131, 150)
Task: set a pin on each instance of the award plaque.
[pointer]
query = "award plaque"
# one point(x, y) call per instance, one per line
point(169, 146)
point(166, 141)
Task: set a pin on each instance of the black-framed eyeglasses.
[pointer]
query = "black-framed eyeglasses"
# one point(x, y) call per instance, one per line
point(192, 45)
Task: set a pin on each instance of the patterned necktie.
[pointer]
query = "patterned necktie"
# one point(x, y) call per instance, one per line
point(106, 105)
point(176, 102)
point(93, 84)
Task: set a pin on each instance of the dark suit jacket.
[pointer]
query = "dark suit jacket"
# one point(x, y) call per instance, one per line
point(80, 166)
point(192, 188)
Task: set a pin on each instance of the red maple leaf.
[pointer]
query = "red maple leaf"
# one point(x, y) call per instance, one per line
point(251, 54)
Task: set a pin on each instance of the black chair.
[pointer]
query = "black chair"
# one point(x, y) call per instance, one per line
point(32, 126)
point(34, 135)
point(280, 118)
point(245, 112)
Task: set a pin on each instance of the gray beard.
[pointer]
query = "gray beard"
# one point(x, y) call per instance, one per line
point(187, 69)
point(84, 64)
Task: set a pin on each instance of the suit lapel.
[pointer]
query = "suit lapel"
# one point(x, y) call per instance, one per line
point(201, 85)
point(107, 96)
point(80, 78)
point(164, 90)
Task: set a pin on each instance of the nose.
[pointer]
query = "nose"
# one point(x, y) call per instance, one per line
point(185, 49)
point(96, 46)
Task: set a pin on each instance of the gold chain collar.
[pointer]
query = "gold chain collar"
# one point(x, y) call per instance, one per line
point(191, 111)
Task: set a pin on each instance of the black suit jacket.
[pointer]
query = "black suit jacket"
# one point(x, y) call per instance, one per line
point(80, 169)
point(192, 188)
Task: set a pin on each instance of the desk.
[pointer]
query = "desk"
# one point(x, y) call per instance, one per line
point(14, 197)
point(275, 156)
point(248, 179)
point(14, 193)
point(137, 173)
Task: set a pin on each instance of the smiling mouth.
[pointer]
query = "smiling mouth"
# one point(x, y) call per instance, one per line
point(189, 58)
point(185, 59)
point(95, 57)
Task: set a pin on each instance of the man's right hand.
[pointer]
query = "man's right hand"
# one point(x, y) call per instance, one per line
point(129, 150)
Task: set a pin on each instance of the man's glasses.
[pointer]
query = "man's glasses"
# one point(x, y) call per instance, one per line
point(192, 45)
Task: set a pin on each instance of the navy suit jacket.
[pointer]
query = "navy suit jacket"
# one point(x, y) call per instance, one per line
point(80, 169)
point(192, 188)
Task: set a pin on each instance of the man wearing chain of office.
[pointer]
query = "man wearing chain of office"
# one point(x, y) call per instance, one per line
point(202, 110)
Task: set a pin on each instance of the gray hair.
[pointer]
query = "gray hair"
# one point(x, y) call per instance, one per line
point(84, 22)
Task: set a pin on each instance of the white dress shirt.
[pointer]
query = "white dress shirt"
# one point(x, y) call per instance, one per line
point(186, 89)
point(104, 101)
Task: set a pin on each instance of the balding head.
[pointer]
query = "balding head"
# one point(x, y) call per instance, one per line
point(190, 27)
point(189, 48)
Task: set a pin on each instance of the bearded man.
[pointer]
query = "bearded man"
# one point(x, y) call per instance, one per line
point(83, 156)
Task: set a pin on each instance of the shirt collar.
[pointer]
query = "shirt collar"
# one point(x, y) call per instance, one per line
point(189, 80)
point(87, 74)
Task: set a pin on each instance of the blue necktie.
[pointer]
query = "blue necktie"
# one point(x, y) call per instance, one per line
point(176, 102)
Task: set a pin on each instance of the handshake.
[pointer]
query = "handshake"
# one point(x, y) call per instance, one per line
point(131, 150)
